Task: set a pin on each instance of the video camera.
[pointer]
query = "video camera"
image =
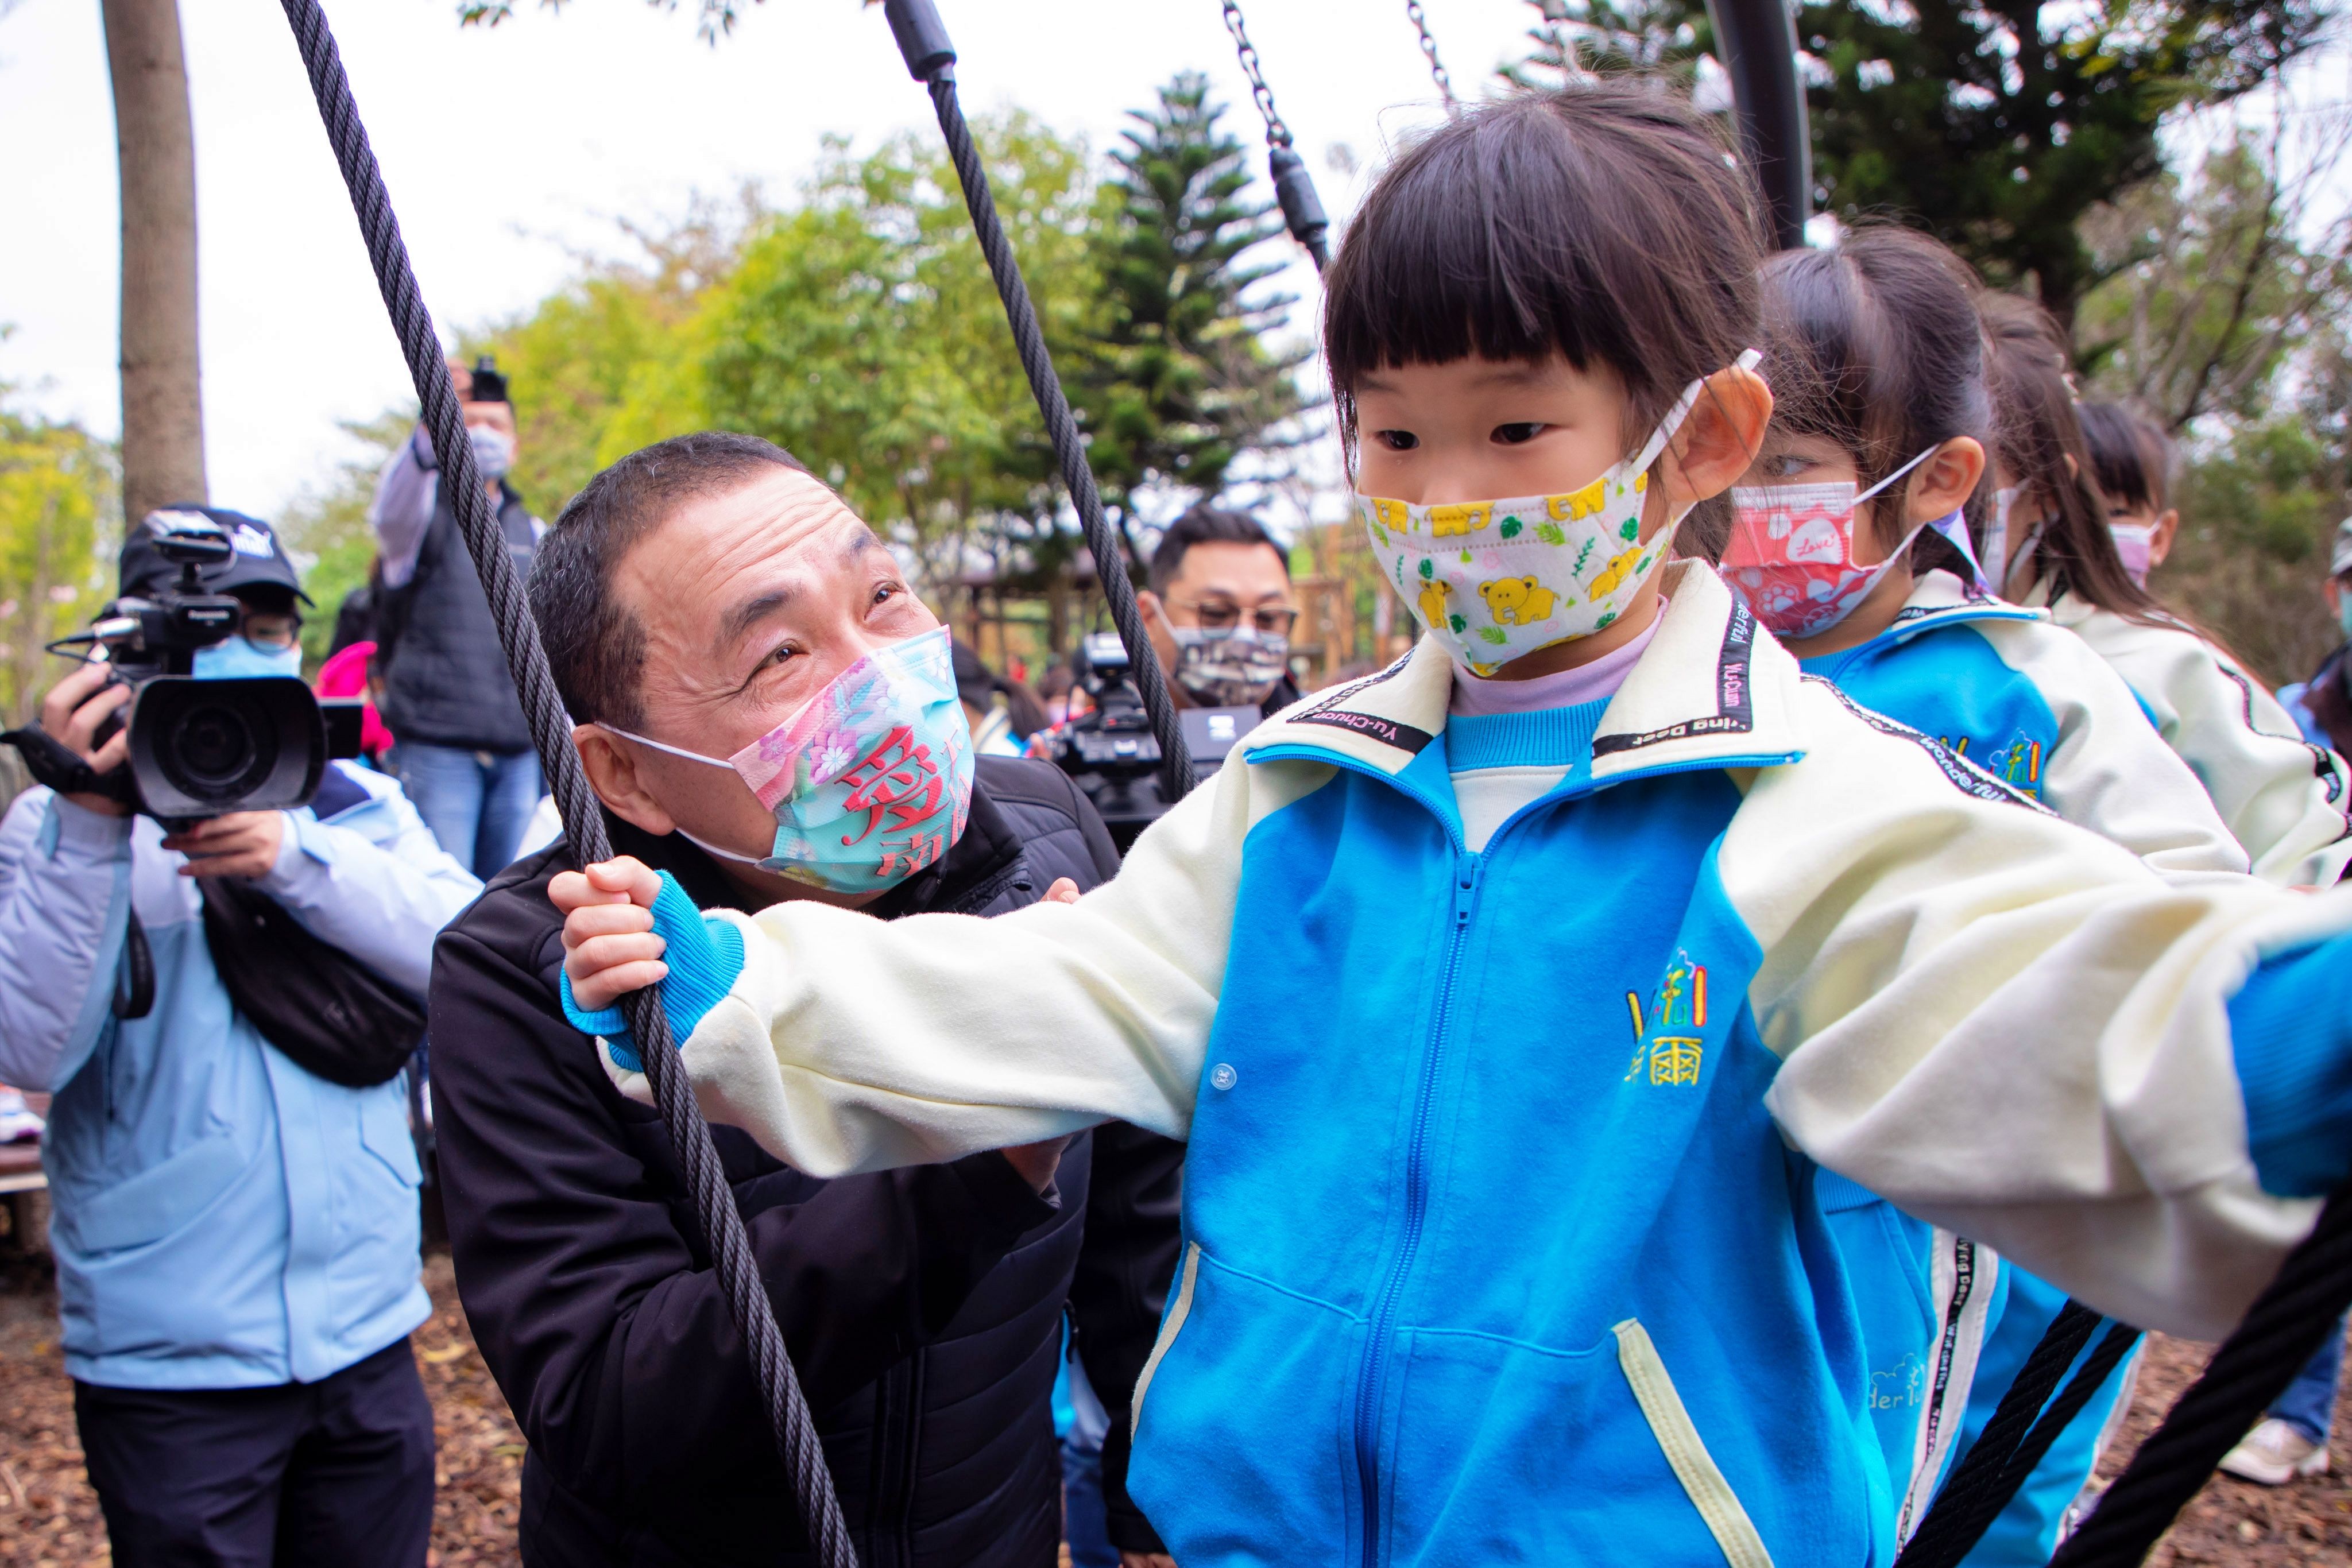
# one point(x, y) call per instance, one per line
point(1111, 753)
point(198, 748)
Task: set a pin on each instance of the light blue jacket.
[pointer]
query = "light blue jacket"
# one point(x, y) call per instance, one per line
point(221, 1218)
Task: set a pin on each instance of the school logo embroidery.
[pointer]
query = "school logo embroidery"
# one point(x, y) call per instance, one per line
point(1669, 1041)
point(2017, 764)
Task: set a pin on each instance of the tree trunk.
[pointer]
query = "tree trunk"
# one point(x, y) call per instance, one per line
point(163, 413)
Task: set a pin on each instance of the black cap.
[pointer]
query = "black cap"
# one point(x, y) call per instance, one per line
point(255, 558)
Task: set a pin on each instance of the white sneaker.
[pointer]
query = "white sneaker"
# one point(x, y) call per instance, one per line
point(2275, 1453)
point(18, 1124)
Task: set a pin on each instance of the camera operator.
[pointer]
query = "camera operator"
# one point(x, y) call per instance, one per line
point(463, 749)
point(235, 1237)
point(1220, 611)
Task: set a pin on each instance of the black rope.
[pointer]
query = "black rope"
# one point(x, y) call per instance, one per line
point(1972, 1515)
point(2285, 1327)
point(1946, 1534)
point(932, 58)
point(584, 823)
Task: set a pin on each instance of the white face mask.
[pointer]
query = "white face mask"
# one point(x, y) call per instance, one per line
point(2136, 544)
point(1493, 581)
point(1999, 557)
point(493, 450)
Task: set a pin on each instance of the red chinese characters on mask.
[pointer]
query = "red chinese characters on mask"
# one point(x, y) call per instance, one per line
point(897, 781)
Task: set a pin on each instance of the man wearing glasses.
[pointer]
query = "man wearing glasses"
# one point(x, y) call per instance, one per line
point(1220, 611)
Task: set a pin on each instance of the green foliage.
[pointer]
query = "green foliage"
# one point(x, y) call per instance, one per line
point(599, 343)
point(1176, 378)
point(2210, 287)
point(713, 19)
point(862, 332)
point(1995, 129)
point(58, 502)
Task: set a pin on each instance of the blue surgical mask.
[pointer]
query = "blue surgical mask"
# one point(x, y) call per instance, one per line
point(493, 451)
point(238, 659)
point(2343, 613)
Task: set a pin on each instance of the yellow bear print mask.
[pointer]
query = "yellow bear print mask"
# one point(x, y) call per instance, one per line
point(1493, 581)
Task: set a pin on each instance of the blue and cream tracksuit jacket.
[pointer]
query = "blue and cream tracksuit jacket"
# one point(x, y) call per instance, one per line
point(1945, 1325)
point(1504, 1237)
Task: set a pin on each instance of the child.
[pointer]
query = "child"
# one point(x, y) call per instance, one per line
point(2131, 460)
point(1508, 1013)
point(1877, 365)
point(2283, 799)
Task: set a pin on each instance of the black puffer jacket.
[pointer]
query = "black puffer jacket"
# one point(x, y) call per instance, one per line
point(922, 1307)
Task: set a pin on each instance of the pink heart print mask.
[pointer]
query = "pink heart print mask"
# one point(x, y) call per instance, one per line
point(1790, 555)
point(870, 780)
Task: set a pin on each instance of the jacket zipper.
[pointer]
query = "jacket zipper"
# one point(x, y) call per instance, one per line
point(1370, 1378)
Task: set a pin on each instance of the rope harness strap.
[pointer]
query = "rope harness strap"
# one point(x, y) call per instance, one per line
point(584, 823)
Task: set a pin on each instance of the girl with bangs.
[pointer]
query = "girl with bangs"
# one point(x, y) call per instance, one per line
point(1514, 999)
point(1849, 540)
point(2049, 540)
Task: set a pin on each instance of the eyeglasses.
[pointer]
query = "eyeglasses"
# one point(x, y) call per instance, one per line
point(1223, 615)
point(268, 631)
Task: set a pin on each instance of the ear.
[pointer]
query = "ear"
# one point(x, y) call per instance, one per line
point(2160, 543)
point(1942, 484)
point(612, 771)
point(1720, 438)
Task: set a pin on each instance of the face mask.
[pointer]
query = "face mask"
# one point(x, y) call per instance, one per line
point(237, 659)
point(1229, 669)
point(870, 780)
point(1790, 555)
point(493, 450)
point(2343, 613)
point(2135, 543)
point(1496, 580)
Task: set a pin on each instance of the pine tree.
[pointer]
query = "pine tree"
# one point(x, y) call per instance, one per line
point(1176, 378)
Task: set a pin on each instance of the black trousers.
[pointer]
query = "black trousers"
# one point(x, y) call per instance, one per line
point(337, 1473)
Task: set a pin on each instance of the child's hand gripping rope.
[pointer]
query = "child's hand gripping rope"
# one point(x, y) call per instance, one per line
point(627, 926)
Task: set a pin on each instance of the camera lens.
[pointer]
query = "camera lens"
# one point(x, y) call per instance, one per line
point(216, 752)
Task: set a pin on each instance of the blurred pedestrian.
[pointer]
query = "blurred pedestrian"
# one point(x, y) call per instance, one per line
point(464, 749)
point(1220, 609)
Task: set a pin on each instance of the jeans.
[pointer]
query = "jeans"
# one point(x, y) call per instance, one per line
point(332, 1474)
point(477, 802)
point(2309, 1403)
point(1083, 1525)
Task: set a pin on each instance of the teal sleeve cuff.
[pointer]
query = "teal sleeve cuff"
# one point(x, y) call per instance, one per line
point(2291, 1034)
point(704, 955)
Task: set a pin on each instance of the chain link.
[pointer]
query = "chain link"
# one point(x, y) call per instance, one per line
point(1428, 52)
point(1278, 134)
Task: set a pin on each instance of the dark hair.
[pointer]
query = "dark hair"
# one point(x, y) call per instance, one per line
point(1874, 344)
point(2130, 457)
point(2039, 437)
point(1207, 526)
point(1607, 222)
point(596, 648)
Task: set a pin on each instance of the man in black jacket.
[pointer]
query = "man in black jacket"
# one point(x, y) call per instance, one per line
point(703, 589)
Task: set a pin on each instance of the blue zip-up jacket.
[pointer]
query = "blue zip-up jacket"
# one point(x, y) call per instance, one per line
point(1945, 1324)
point(1505, 1242)
point(220, 1218)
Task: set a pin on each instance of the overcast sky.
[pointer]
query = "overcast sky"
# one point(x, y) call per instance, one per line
point(511, 151)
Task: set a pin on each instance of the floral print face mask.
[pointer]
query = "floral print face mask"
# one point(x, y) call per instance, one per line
point(1496, 580)
point(870, 780)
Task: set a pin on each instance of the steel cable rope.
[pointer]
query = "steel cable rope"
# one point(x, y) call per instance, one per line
point(1983, 1483)
point(551, 728)
point(930, 57)
point(2286, 1326)
point(1293, 188)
